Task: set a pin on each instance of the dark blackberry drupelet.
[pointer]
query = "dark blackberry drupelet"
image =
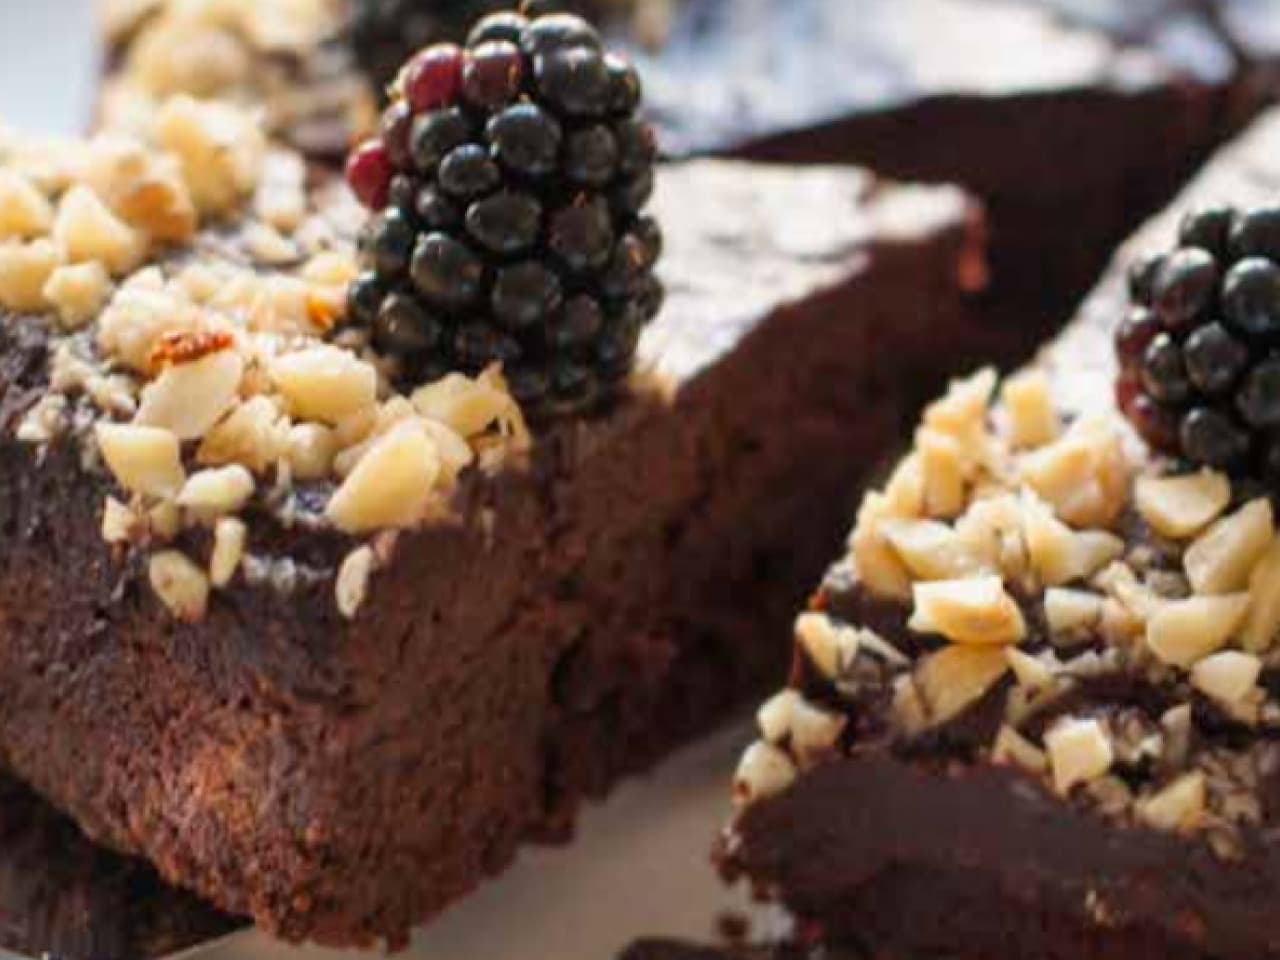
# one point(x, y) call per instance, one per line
point(508, 184)
point(1199, 350)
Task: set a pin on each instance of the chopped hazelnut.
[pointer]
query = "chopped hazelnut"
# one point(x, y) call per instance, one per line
point(1181, 507)
point(87, 230)
point(1067, 611)
point(962, 412)
point(467, 406)
point(221, 149)
point(325, 383)
point(813, 729)
point(1057, 553)
point(942, 469)
point(25, 212)
point(216, 492)
point(253, 434)
point(1083, 475)
point(972, 611)
point(1031, 672)
point(1013, 749)
point(1264, 602)
point(1178, 807)
point(144, 460)
point(189, 398)
point(391, 486)
point(229, 538)
point(1222, 558)
point(25, 269)
point(905, 493)
point(829, 646)
point(763, 771)
point(954, 678)
point(1079, 751)
point(774, 716)
point(1028, 402)
point(1181, 632)
point(181, 586)
point(78, 292)
point(1227, 677)
point(311, 449)
point(878, 566)
point(931, 550)
point(119, 523)
point(352, 585)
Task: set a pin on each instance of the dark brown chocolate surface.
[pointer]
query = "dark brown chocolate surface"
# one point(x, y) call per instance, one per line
point(904, 856)
point(341, 782)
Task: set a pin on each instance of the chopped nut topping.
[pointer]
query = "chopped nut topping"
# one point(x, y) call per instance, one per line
point(25, 212)
point(221, 150)
point(1079, 751)
point(1227, 677)
point(229, 538)
point(189, 398)
point(325, 384)
point(1068, 611)
point(1028, 402)
point(830, 648)
point(1181, 507)
point(1178, 807)
point(181, 586)
point(931, 550)
point(1224, 556)
point(213, 493)
point(813, 730)
point(352, 586)
point(1014, 749)
point(119, 523)
point(77, 292)
point(955, 677)
point(1264, 603)
point(87, 231)
point(186, 346)
point(972, 611)
point(774, 717)
point(763, 771)
point(1183, 632)
point(391, 486)
point(25, 270)
point(144, 460)
point(1084, 475)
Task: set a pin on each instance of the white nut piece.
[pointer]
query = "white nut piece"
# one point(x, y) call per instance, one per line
point(1079, 751)
point(1227, 677)
point(1181, 507)
point(774, 716)
point(962, 411)
point(971, 611)
point(25, 212)
point(181, 586)
point(954, 678)
point(1182, 632)
point(145, 460)
point(87, 230)
point(1031, 672)
point(311, 449)
point(325, 383)
point(467, 406)
point(1059, 554)
point(229, 538)
point(217, 491)
point(1084, 475)
point(391, 486)
point(1264, 608)
point(119, 523)
point(763, 771)
point(813, 729)
point(221, 149)
point(78, 292)
point(1069, 611)
point(189, 398)
point(1180, 806)
point(1028, 402)
point(1222, 558)
point(254, 434)
point(830, 647)
point(931, 550)
point(25, 269)
point(351, 588)
point(942, 467)
point(1013, 749)
point(877, 565)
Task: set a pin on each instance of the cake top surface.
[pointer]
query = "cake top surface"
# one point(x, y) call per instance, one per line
point(1034, 589)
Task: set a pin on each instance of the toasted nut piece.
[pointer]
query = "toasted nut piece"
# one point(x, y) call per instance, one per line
point(1264, 607)
point(905, 492)
point(1013, 749)
point(25, 212)
point(942, 469)
point(143, 186)
point(992, 529)
point(813, 729)
point(1222, 558)
point(1176, 724)
point(253, 434)
point(144, 460)
point(229, 538)
point(181, 586)
point(1028, 402)
point(962, 412)
point(164, 520)
point(325, 383)
point(1079, 751)
point(1084, 475)
point(1031, 672)
point(467, 406)
point(973, 611)
point(25, 269)
point(830, 647)
point(1227, 677)
point(774, 716)
point(877, 565)
point(87, 230)
point(1180, 507)
point(931, 550)
point(352, 586)
point(221, 149)
point(119, 523)
point(1058, 554)
point(392, 486)
point(1178, 807)
point(139, 315)
point(1067, 611)
point(189, 398)
point(78, 292)
point(312, 448)
point(216, 492)
point(954, 678)
point(1182, 632)
point(175, 55)
point(763, 771)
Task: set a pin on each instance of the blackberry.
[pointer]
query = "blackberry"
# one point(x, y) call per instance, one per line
point(1199, 350)
point(507, 185)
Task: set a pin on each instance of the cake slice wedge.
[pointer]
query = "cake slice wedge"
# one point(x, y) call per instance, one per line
point(339, 734)
point(1032, 709)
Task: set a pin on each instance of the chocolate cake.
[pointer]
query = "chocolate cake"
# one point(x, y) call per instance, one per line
point(1040, 684)
point(219, 659)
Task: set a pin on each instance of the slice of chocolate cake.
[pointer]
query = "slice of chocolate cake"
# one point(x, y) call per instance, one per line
point(1032, 711)
point(326, 648)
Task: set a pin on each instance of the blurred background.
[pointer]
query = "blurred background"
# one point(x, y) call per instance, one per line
point(48, 61)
